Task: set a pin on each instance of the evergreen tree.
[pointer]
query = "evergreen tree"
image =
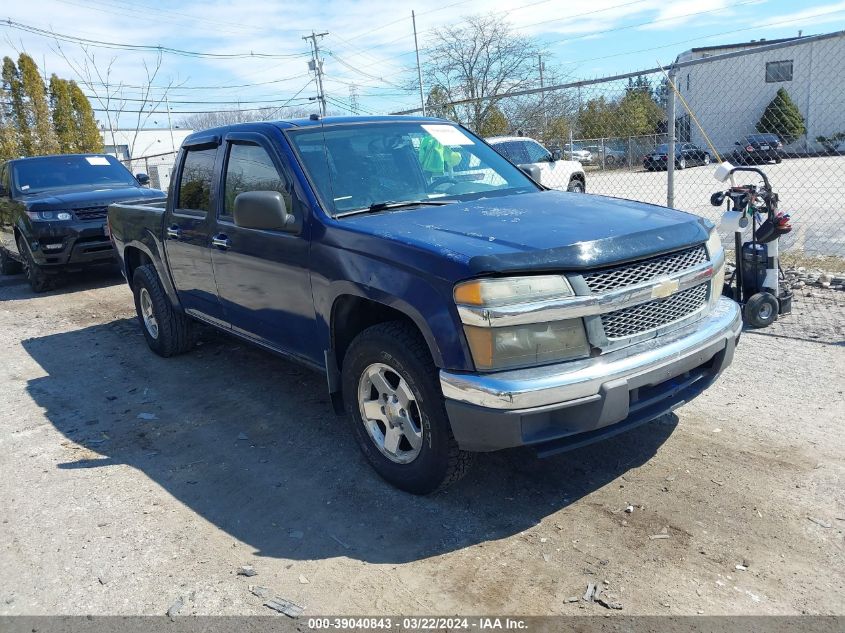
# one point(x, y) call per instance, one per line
point(17, 114)
point(495, 124)
point(64, 123)
point(782, 117)
point(35, 92)
point(88, 134)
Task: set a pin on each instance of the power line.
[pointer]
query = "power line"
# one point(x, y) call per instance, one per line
point(180, 88)
point(9, 23)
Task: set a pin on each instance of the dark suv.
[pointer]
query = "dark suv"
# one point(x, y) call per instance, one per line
point(758, 148)
point(53, 212)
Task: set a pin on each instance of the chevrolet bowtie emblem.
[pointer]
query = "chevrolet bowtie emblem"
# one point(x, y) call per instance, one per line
point(665, 288)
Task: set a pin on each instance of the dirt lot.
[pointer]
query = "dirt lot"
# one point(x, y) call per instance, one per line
point(127, 481)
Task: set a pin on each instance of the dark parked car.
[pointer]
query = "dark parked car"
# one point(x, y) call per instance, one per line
point(758, 148)
point(449, 315)
point(53, 213)
point(686, 155)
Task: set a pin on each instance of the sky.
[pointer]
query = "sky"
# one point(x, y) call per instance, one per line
point(254, 54)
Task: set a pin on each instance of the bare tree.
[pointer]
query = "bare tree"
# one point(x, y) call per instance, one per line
point(482, 60)
point(97, 76)
point(205, 120)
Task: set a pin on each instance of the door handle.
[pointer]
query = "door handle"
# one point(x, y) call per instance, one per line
point(220, 241)
point(174, 232)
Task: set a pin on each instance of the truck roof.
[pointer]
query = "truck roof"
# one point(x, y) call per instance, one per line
point(295, 123)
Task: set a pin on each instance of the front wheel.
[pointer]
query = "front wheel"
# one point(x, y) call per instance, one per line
point(396, 410)
point(168, 332)
point(575, 186)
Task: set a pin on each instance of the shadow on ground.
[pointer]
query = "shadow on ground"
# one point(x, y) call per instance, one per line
point(294, 485)
point(87, 279)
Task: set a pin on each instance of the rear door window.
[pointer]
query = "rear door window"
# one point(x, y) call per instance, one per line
point(196, 179)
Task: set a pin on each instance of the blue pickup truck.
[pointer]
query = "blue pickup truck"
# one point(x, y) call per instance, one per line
point(454, 305)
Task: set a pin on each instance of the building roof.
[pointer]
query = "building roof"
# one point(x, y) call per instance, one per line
point(751, 44)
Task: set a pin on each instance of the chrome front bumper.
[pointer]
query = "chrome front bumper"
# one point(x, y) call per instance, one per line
point(575, 381)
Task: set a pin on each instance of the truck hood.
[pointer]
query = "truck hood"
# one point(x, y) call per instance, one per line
point(548, 230)
point(82, 198)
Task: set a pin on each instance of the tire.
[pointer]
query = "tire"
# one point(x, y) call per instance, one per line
point(168, 332)
point(392, 358)
point(9, 266)
point(610, 161)
point(778, 160)
point(39, 280)
point(575, 186)
point(761, 310)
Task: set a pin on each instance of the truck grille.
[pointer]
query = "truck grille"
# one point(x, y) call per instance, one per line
point(91, 213)
point(653, 314)
point(645, 270)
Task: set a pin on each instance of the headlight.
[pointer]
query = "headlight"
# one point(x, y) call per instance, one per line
point(510, 290)
point(521, 345)
point(526, 345)
point(717, 255)
point(45, 216)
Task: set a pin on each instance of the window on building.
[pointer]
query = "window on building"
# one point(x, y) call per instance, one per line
point(779, 71)
point(687, 82)
point(195, 185)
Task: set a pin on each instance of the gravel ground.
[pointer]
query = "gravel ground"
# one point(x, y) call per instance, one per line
point(128, 481)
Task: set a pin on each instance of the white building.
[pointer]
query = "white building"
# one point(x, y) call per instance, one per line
point(728, 96)
point(149, 150)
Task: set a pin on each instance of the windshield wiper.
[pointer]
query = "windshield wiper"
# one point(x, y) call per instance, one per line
point(386, 206)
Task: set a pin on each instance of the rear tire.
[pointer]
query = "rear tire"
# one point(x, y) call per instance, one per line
point(761, 310)
point(9, 266)
point(168, 332)
point(575, 186)
point(426, 456)
point(39, 280)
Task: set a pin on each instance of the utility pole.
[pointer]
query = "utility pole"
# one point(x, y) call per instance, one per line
point(353, 99)
point(316, 64)
point(170, 124)
point(542, 93)
point(419, 69)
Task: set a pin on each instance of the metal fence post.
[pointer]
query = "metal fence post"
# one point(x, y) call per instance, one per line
point(670, 132)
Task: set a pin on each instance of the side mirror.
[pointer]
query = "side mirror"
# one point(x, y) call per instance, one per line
point(265, 210)
point(556, 155)
point(142, 179)
point(532, 171)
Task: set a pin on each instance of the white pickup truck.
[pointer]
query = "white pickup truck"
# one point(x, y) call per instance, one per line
point(547, 167)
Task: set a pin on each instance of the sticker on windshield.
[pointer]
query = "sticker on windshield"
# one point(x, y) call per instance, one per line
point(448, 134)
point(97, 160)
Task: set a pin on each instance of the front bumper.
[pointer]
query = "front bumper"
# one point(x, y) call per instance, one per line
point(71, 244)
point(562, 406)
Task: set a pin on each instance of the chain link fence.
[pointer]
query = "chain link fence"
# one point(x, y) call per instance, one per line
point(159, 167)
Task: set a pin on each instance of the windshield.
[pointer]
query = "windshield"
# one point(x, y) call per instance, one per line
point(46, 173)
point(359, 165)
